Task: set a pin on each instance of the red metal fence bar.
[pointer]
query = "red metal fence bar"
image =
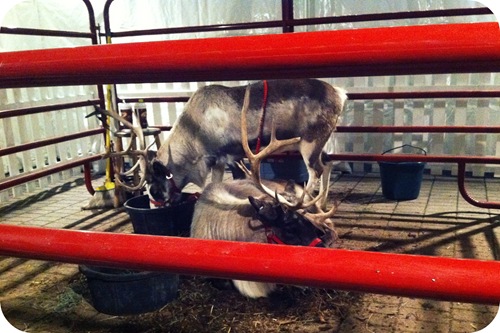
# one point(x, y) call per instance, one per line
point(404, 129)
point(46, 108)
point(412, 157)
point(78, 161)
point(46, 142)
point(38, 173)
point(361, 52)
point(44, 32)
point(59, 33)
point(365, 95)
point(460, 160)
point(402, 158)
point(382, 95)
point(465, 194)
point(425, 94)
point(463, 280)
point(392, 16)
point(418, 129)
point(434, 49)
point(288, 22)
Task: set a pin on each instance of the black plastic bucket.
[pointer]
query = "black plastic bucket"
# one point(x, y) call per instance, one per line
point(289, 169)
point(401, 180)
point(165, 221)
point(125, 292)
point(283, 169)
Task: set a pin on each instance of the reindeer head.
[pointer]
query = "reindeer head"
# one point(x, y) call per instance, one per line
point(163, 177)
point(161, 185)
point(286, 226)
point(153, 173)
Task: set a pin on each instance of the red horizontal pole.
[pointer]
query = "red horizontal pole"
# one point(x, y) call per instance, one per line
point(425, 94)
point(177, 99)
point(46, 108)
point(402, 158)
point(50, 141)
point(308, 21)
point(363, 96)
point(418, 129)
point(413, 157)
point(446, 48)
point(405, 129)
point(463, 280)
point(44, 32)
point(38, 173)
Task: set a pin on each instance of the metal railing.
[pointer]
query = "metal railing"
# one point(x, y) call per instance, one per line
point(462, 280)
point(364, 52)
point(17, 179)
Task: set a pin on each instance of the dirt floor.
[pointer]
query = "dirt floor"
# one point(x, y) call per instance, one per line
point(65, 307)
point(38, 296)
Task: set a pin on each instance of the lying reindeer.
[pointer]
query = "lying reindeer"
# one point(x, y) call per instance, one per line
point(248, 210)
point(206, 136)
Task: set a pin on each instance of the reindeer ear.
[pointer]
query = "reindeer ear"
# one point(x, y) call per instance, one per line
point(290, 187)
point(268, 212)
point(159, 170)
point(151, 155)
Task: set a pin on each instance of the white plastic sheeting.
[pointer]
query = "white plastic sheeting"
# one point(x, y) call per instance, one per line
point(408, 112)
point(138, 14)
point(48, 15)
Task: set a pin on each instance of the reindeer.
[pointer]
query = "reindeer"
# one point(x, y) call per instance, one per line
point(248, 210)
point(205, 137)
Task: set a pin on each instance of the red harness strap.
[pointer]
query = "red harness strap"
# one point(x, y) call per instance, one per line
point(272, 238)
point(262, 118)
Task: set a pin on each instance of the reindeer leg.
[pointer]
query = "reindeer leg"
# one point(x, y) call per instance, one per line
point(311, 153)
point(325, 184)
point(218, 172)
point(311, 182)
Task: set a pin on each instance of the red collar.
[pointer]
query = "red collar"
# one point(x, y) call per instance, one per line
point(272, 238)
point(157, 204)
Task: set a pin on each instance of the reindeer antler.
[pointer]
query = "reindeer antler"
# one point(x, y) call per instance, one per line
point(319, 219)
point(141, 153)
point(256, 159)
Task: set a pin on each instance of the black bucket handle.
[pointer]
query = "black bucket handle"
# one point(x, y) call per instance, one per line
point(405, 145)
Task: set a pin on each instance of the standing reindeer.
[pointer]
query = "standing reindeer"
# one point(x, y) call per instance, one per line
point(206, 136)
point(248, 210)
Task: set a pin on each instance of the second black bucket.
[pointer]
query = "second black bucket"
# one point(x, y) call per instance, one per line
point(124, 292)
point(164, 221)
point(283, 169)
point(401, 180)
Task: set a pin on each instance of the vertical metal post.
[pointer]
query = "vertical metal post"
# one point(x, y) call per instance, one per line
point(287, 15)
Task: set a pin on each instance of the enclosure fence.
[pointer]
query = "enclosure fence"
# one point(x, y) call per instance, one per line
point(44, 135)
point(412, 100)
point(453, 107)
point(433, 49)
